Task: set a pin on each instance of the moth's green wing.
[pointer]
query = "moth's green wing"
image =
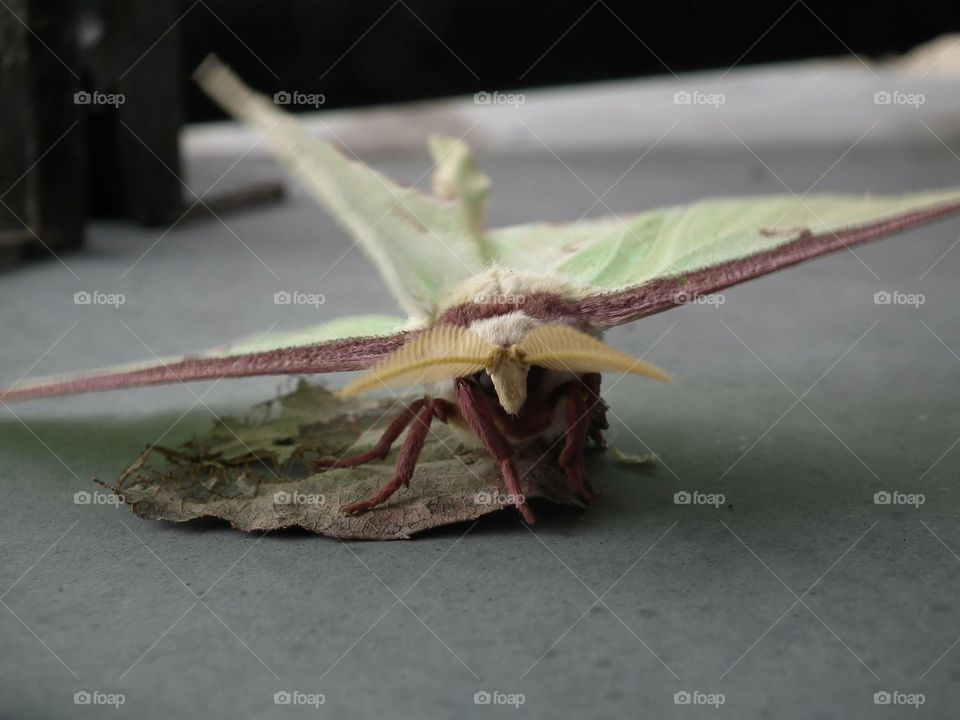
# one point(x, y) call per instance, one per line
point(349, 343)
point(544, 247)
point(674, 246)
point(422, 245)
point(609, 253)
point(346, 327)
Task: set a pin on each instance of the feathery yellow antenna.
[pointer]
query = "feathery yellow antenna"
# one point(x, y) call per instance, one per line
point(560, 347)
point(440, 353)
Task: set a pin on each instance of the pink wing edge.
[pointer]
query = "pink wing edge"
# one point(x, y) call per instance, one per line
point(333, 356)
point(623, 306)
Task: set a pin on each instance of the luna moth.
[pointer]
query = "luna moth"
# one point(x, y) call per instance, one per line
point(504, 327)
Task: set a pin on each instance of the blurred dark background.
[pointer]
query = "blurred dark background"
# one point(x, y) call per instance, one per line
point(96, 91)
point(374, 51)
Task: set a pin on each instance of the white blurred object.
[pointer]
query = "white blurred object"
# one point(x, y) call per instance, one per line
point(814, 102)
point(939, 57)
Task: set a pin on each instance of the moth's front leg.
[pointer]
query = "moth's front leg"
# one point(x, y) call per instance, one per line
point(382, 448)
point(409, 453)
point(579, 422)
point(475, 413)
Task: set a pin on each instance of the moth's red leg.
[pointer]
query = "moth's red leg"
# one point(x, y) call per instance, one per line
point(382, 448)
point(407, 461)
point(598, 415)
point(577, 420)
point(478, 418)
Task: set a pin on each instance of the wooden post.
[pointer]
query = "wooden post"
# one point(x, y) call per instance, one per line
point(41, 136)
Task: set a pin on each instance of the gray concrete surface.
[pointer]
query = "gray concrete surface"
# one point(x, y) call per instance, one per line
point(797, 598)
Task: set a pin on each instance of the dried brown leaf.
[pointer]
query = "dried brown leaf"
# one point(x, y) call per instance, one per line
point(254, 473)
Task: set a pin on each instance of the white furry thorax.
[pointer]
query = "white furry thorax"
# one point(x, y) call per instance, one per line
point(499, 285)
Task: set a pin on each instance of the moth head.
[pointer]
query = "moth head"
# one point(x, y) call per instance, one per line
point(508, 372)
point(448, 352)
